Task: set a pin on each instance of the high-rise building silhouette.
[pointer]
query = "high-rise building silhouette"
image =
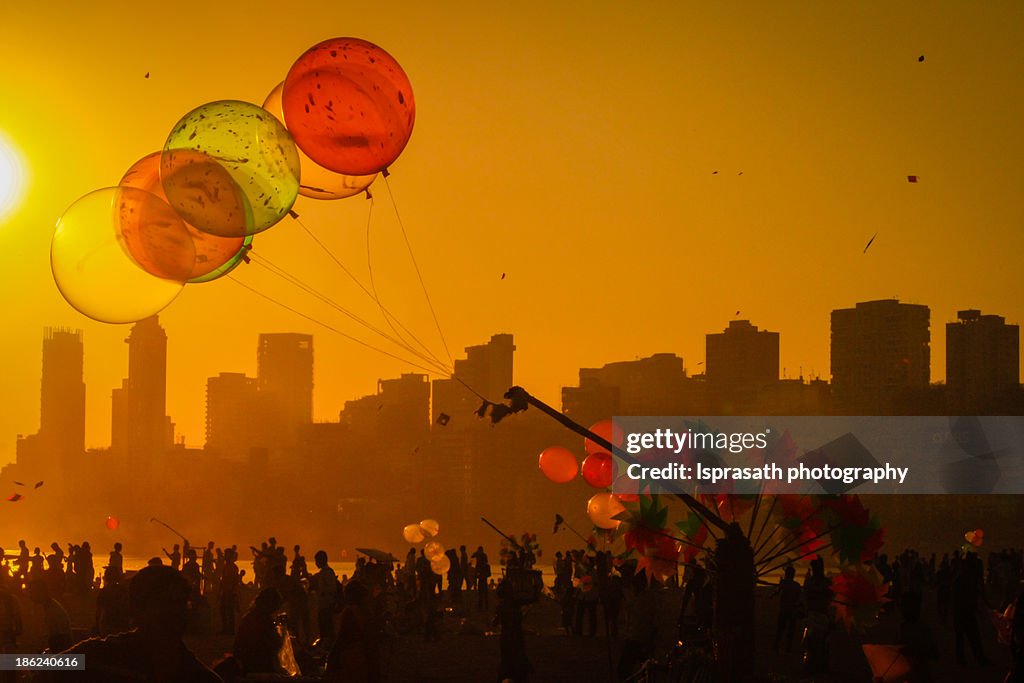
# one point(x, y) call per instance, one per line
point(487, 368)
point(139, 421)
point(399, 410)
point(61, 434)
point(742, 363)
point(656, 385)
point(880, 352)
point(982, 361)
point(284, 378)
point(233, 420)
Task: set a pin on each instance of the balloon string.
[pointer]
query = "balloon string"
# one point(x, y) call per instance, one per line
point(373, 285)
point(416, 265)
point(326, 326)
point(288, 277)
point(366, 291)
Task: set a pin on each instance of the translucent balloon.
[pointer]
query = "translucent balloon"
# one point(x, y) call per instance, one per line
point(441, 565)
point(113, 523)
point(430, 527)
point(349, 105)
point(317, 181)
point(606, 429)
point(558, 464)
point(155, 238)
point(433, 550)
point(598, 470)
point(214, 256)
point(412, 534)
point(602, 508)
point(92, 266)
point(246, 156)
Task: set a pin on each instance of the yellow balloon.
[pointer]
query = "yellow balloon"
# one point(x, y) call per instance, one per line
point(412, 534)
point(430, 527)
point(91, 262)
point(432, 550)
point(318, 182)
point(441, 565)
point(602, 508)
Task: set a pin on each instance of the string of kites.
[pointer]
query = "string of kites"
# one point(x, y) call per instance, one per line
point(228, 170)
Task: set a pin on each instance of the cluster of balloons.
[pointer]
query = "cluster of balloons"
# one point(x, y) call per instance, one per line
point(433, 550)
point(228, 170)
point(598, 470)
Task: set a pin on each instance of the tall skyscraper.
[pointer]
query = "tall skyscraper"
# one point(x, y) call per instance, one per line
point(139, 421)
point(62, 404)
point(982, 361)
point(880, 351)
point(233, 420)
point(284, 379)
point(742, 363)
point(61, 434)
point(487, 368)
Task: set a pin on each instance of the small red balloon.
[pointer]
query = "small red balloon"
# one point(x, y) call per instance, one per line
point(598, 470)
point(349, 106)
point(558, 464)
point(113, 523)
point(607, 430)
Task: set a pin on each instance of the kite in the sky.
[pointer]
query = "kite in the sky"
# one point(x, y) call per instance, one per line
point(503, 276)
point(14, 498)
point(18, 483)
point(921, 58)
point(443, 419)
point(147, 75)
point(869, 243)
point(38, 484)
point(911, 178)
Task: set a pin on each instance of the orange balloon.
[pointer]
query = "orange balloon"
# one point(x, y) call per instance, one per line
point(211, 251)
point(558, 464)
point(602, 508)
point(113, 523)
point(349, 106)
point(154, 236)
point(609, 431)
point(204, 194)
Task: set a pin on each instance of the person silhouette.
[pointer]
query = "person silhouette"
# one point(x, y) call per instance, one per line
point(154, 650)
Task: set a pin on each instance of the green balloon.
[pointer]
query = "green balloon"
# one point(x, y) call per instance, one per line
point(225, 153)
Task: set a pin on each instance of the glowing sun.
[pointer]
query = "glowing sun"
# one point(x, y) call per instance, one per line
point(12, 178)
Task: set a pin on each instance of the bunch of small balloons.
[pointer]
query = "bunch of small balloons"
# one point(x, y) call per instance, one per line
point(433, 550)
point(598, 469)
point(228, 170)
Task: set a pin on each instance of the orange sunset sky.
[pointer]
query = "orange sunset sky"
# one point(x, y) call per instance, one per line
point(569, 145)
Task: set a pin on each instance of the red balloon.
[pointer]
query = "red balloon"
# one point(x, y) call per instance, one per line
point(598, 470)
point(349, 106)
point(558, 464)
point(609, 431)
point(113, 523)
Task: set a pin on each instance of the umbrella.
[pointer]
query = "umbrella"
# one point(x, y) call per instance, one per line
point(378, 555)
point(888, 665)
